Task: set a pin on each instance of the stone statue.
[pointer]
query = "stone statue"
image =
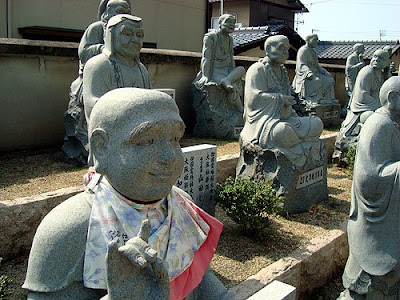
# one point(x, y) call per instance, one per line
point(372, 269)
point(363, 102)
point(132, 234)
point(392, 67)
point(273, 129)
point(218, 87)
point(354, 63)
point(312, 82)
point(92, 43)
point(118, 65)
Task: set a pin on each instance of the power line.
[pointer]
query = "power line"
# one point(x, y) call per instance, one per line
point(353, 3)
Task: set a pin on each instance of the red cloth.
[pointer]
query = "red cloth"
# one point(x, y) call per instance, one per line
point(186, 282)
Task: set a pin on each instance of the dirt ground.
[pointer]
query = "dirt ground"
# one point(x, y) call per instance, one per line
point(237, 256)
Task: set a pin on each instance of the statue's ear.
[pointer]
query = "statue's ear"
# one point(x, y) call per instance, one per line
point(98, 149)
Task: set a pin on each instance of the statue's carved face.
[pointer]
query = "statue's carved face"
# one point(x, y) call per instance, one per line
point(380, 59)
point(228, 25)
point(128, 39)
point(313, 42)
point(360, 49)
point(279, 52)
point(142, 154)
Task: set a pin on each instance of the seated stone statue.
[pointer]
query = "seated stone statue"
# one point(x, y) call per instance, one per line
point(271, 122)
point(275, 142)
point(219, 81)
point(312, 82)
point(354, 63)
point(92, 43)
point(118, 65)
point(373, 267)
point(363, 102)
point(131, 234)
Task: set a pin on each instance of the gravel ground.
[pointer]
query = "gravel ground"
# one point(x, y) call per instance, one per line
point(237, 257)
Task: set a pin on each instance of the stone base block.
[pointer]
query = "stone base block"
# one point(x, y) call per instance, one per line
point(276, 290)
point(302, 187)
point(328, 113)
point(216, 114)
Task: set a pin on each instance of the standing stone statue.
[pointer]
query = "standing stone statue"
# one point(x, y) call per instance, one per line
point(118, 65)
point(92, 43)
point(315, 85)
point(131, 235)
point(218, 87)
point(373, 267)
point(363, 102)
point(275, 142)
point(354, 63)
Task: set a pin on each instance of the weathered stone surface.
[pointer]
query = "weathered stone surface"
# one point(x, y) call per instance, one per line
point(301, 186)
point(328, 113)
point(19, 219)
point(306, 268)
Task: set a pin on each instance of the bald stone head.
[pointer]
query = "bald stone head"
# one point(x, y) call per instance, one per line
point(312, 40)
point(134, 139)
point(277, 49)
point(380, 59)
point(389, 94)
point(104, 5)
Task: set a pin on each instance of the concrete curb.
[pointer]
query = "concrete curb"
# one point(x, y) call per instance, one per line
point(306, 268)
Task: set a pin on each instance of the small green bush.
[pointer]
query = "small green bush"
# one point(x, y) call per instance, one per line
point(4, 283)
point(350, 158)
point(248, 202)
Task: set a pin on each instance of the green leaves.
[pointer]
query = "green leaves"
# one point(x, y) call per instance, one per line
point(248, 202)
point(4, 283)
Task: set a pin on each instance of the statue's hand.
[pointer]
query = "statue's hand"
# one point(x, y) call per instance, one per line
point(134, 271)
point(288, 100)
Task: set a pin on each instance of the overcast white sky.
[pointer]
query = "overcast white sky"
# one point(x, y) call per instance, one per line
point(341, 20)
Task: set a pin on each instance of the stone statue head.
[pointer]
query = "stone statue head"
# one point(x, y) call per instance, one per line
point(380, 59)
point(134, 141)
point(277, 48)
point(389, 94)
point(388, 49)
point(104, 5)
point(227, 23)
point(312, 40)
point(359, 48)
point(124, 37)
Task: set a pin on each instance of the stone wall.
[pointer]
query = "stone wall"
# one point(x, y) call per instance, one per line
point(36, 75)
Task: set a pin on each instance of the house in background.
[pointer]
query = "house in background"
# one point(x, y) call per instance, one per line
point(337, 52)
point(257, 20)
point(172, 24)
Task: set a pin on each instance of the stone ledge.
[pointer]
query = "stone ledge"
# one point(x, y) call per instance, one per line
point(307, 268)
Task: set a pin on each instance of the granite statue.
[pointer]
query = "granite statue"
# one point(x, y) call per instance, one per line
point(363, 102)
point(275, 142)
point(354, 64)
point(392, 67)
point(372, 269)
point(119, 63)
point(131, 234)
point(314, 85)
point(92, 43)
point(218, 87)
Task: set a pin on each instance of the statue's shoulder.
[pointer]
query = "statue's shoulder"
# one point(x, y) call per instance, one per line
point(95, 27)
point(211, 36)
point(56, 258)
point(97, 62)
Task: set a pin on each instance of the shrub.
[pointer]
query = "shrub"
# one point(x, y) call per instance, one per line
point(4, 283)
point(350, 158)
point(248, 202)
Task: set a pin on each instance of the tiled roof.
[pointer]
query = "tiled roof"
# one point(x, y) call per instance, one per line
point(245, 38)
point(341, 50)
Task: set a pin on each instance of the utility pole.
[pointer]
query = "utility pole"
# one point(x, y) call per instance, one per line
point(222, 7)
point(382, 33)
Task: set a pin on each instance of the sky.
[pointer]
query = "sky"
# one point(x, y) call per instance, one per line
point(351, 20)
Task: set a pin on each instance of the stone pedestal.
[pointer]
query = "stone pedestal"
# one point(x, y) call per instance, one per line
point(302, 187)
point(217, 112)
point(199, 175)
point(328, 113)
